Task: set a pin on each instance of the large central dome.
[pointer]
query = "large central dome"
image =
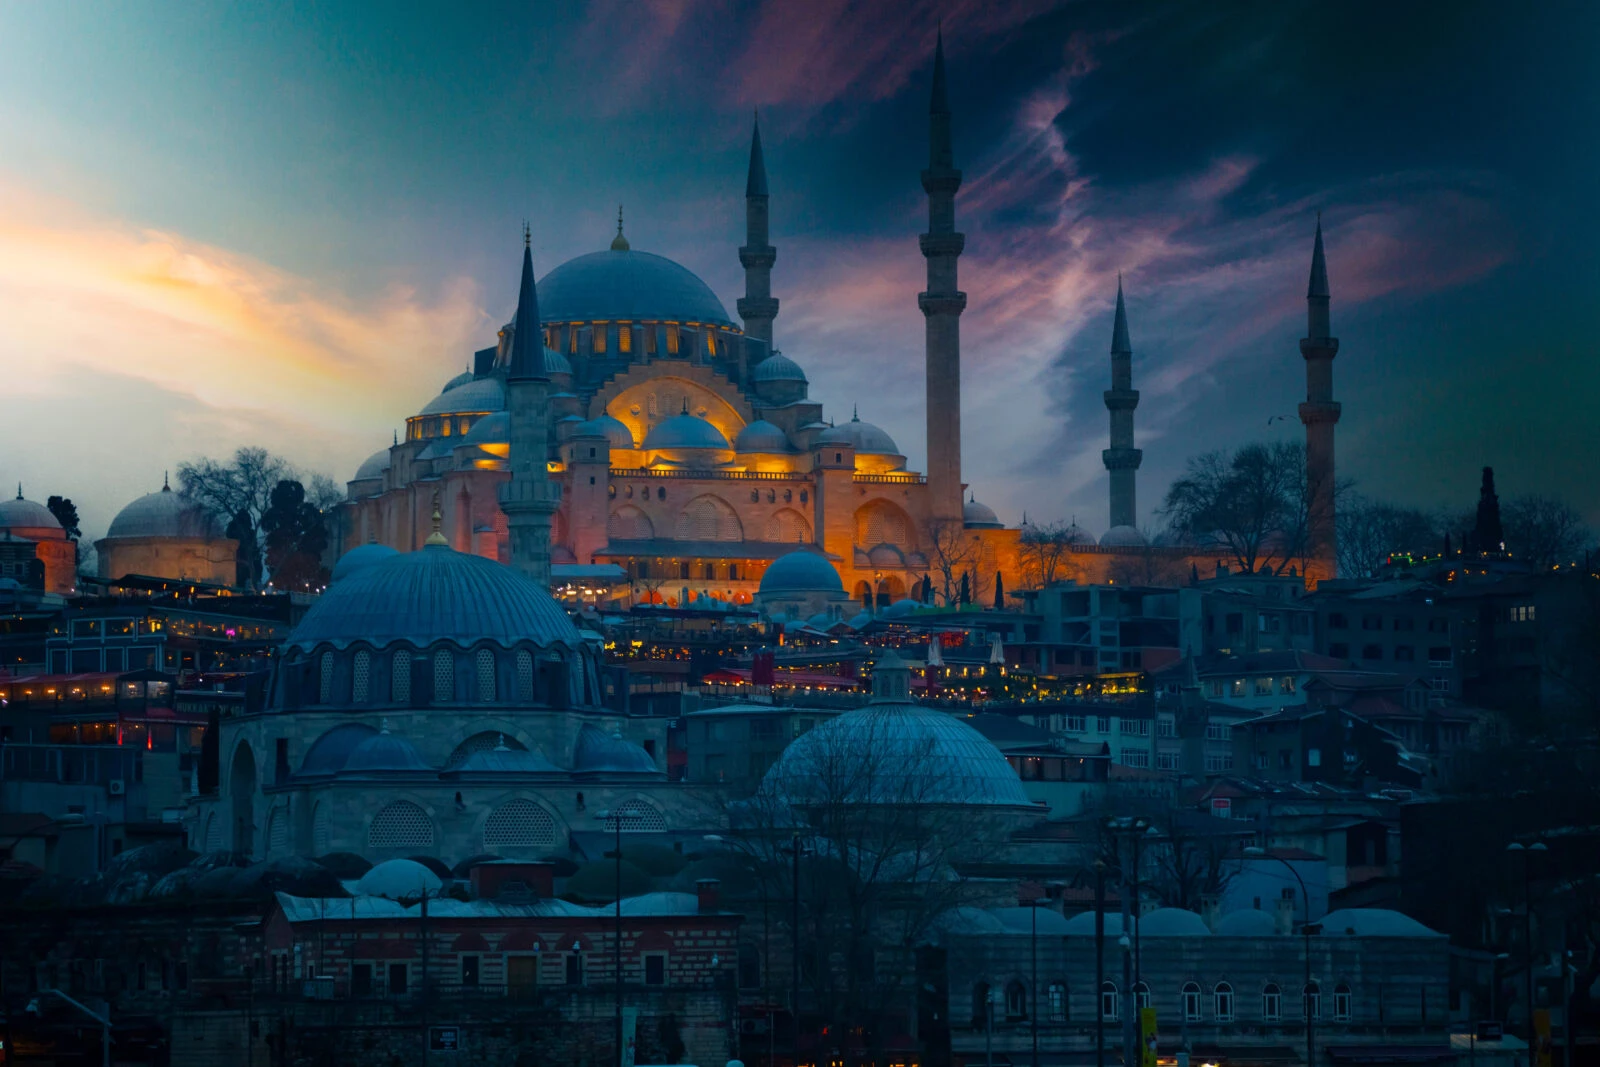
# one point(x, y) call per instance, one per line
point(620, 284)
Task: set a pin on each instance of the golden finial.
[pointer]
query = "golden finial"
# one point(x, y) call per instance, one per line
point(436, 538)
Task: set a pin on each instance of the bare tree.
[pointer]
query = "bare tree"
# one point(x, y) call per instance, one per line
point(952, 550)
point(1370, 531)
point(238, 494)
point(1544, 530)
point(1042, 552)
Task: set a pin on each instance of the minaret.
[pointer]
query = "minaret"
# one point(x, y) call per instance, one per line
point(942, 305)
point(758, 307)
point(1319, 413)
point(530, 498)
point(1122, 459)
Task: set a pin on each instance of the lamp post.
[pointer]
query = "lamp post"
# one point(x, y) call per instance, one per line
point(1033, 985)
point(1307, 929)
point(793, 850)
point(615, 819)
point(1526, 852)
point(1099, 962)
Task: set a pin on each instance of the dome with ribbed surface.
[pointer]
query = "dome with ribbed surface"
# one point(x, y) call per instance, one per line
point(163, 513)
point(373, 466)
point(329, 753)
point(480, 394)
point(868, 439)
point(458, 381)
point(613, 430)
point(630, 286)
point(20, 514)
point(385, 753)
point(597, 750)
point(892, 753)
point(685, 431)
point(360, 558)
point(801, 571)
point(435, 594)
point(761, 436)
point(778, 368)
point(492, 429)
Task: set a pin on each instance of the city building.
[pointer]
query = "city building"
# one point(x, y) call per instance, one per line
point(165, 535)
point(23, 520)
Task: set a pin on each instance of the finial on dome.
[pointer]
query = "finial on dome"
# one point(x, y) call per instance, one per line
point(19, 490)
point(396, 437)
point(500, 745)
point(436, 538)
point(166, 486)
point(527, 234)
point(619, 243)
point(686, 405)
point(385, 725)
point(855, 412)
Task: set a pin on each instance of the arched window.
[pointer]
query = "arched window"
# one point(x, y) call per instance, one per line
point(1311, 1001)
point(484, 661)
point(518, 824)
point(1271, 1002)
point(401, 824)
point(524, 676)
point(444, 676)
point(361, 677)
point(1141, 995)
point(277, 831)
point(325, 685)
point(1222, 1002)
point(1110, 1003)
point(980, 1005)
point(638, 816)
point(319, 829)
point(1057, 995)
point(400, 677)
point(1343, 1007)
point(1191, 1002)
point(1016, 1000)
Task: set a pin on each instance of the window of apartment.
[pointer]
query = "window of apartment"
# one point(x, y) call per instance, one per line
point(399, 977)
point(1436, 625)
point(1285, 759)
point(1404, 623)
point(1074, 724)
point(1371, 621)
point(1339, 650)
point(1263, 760)
point(1166, 761)
point(1269, 624)
point(1102, 724)
point(469, 970)
point(1135, 727)
point(1238, 687)
point(1404, 654)
point(1109, 1002)
point(1191, 1002)
point(655, 969)
point(1286, 684)
point(1262, 686)
point(1313, 757)
point(361, 979)
point(1337, 621)
point(1271, 1003)
point(1341, 1003)
point(1222, 1002)
point(1218, 762)
point(1214, 688)
point(1219, 731)
point(1439, 685)
point(1371, 651)
point(1135, 758)
point(1166, 726)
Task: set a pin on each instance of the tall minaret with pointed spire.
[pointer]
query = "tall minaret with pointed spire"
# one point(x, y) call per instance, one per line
point(758, 307)
point(942, 304)
point(530, 498)
point(1320, 413)
point(1122, 459)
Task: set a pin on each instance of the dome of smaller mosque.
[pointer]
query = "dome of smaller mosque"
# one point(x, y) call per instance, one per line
point(612, 429)
point(478, 395)
point(801, 571)
point(685, 431)
point(778, 368)
point(761, 436)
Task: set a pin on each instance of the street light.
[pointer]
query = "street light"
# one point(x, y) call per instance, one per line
point(616, 951)
point(1307, 929)
point(1526, 852)
point(1033, 988)
point(794, 848)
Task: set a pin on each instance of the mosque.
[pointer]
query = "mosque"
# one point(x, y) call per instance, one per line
point(688, 452)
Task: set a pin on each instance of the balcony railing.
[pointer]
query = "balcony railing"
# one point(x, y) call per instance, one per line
point(713, 475)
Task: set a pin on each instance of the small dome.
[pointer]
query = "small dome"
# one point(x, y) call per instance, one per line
point(1173, 922)
point(458, 381)
point(480, 394)
point(1122, 537)
point(556, 363)
point(820, 621)
point(1082, 924)
point(329, 753)
point(900, 608)
point(778, 368)
point(1047, 921)
point(438, 448)
point(800, 571)
point(868, 439)
point(835, 435)
point(503, 760)
point(23, 514)
point(597, 750)
point(163, 514)
point(359, 558)
point(974, 513)
point(423, 596)
point(685, 431)
point(1248, 922)
point(373, 466)
point(398, 880)
point(385, 753)
point(1373, 922)
point(494, 429)
point(612, 429)
point(761, 436)
point(626, 285)
point(1077, 535)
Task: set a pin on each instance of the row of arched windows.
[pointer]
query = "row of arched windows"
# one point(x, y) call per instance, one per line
point(1195, 1002)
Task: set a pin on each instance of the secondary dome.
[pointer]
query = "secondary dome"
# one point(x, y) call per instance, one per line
point(399, 880)
point(1173, 922)
point(23, 514)
point(867, 438)
point(373, 466)
point(630, 286)
point(1247, 923)
point(685, 431)
point(778, 368)
point(801, 571)
point(982, 515)
point(612, 429)
point(492, 429)
point(386, 753)
point(163, 514)
point(597, 751)
point(360, 558)
point(761, 436)
point(430, 595)
point(480, 394)
point(459, 380)
point(1122, 537)
point(909, 755)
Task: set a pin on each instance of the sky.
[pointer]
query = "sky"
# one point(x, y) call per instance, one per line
point(289, 225)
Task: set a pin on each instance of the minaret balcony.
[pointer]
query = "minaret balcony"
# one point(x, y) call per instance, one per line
point(1122, 459)
point(1319, 347)
point(942, 244)
point(757, 307)
point(1315, 411)
point(758, 257)
point(1121, 399)
point(942, 303)
point(941, 180)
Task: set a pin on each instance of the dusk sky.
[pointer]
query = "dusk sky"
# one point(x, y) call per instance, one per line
point(226, 224)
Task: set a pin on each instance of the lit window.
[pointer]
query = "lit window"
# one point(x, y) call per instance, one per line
point(624, 339)
point(1286, 684)
point(600, 332)
point(672, 340)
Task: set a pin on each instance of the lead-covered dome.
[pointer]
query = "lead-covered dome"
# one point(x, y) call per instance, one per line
point(761, 436)
point(435, 594)
point(23, 514)
point(373, 466)
point(614, 430)
point(478, 395)
point(801, 571)
point(360, 558)
point(778, 368)
point(685, 431)
point(1122, 537)
point(630, 286)
point(163, 513)
point(385, 753)
point(982, 516)
point(868, 439)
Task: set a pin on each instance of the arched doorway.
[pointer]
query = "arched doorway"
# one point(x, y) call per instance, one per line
point(242, 790)
point(890, 589)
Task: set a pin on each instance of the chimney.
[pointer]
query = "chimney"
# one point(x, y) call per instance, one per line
point(1210, 911)
point(512, 880)
point(1285, 915)
point(709, 890)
